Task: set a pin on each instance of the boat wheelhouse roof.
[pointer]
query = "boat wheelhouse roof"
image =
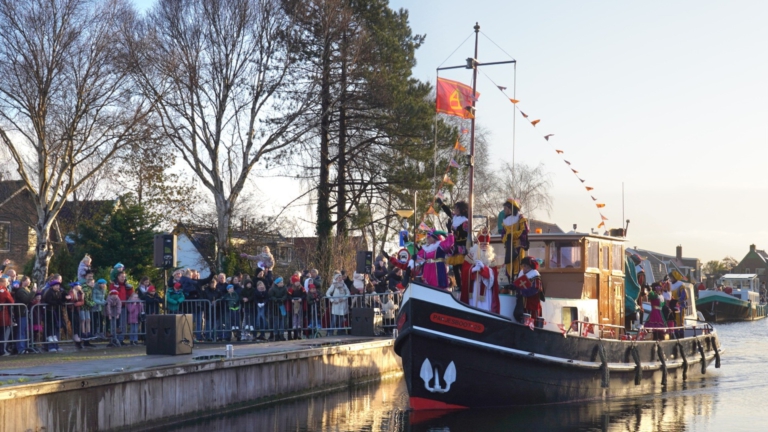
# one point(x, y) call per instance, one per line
point(739, 276)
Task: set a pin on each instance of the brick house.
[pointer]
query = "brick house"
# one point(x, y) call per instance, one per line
point(657, 265)
point(754, 262)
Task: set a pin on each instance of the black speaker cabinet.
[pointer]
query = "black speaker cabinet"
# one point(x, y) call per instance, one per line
point(365, 321)
point(364, 262)
point(169, 334)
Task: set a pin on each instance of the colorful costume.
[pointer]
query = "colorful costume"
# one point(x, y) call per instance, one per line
point(678, 291)
point(530, 287)
point(432, 257)
point(459, 226)
point(480, 276)
point(515, 239)
point(655, 319)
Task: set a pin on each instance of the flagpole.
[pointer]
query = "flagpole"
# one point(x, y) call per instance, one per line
point(434, 165)
point(514, 117)
point(472, 138)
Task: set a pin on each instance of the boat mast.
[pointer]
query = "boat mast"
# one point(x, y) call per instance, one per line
point(473, 63)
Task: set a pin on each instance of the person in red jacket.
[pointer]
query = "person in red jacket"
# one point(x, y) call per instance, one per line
point(124, 292)
point(6, 322)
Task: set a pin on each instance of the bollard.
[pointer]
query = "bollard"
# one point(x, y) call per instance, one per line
point(230, 351)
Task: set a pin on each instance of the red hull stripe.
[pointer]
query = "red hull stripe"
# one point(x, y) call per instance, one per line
point(456, 322)
point(418, 403)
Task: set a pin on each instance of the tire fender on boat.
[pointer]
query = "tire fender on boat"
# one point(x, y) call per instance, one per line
point(703, 359)
point(660, 355)
point(717, 352)
point(681, 350)
point(638, 368)
point(604, 360)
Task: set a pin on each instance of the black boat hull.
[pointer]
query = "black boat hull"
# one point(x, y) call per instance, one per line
point(720, 312)
point(490, 361)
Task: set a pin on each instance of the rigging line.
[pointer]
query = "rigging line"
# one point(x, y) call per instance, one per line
point(457, 48)
point(516, 108)
point(497, 46)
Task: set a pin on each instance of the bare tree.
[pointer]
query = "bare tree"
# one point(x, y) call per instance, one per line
point(66, 105)
point(221, 73)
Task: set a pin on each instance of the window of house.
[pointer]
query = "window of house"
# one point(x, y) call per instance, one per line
point(565, 254)
point(593, 250)
point(5, 236)
point(618, 255)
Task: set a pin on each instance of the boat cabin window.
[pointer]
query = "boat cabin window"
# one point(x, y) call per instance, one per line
point(618, 254)
point(606, 257)
point(565, 254)
point(594, 254)
point(537, 250)
point(568, 315)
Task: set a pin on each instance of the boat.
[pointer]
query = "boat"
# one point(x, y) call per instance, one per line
point(736, 298)
point(456, 356)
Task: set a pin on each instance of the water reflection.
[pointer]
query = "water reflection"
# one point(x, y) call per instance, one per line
point(731, 398)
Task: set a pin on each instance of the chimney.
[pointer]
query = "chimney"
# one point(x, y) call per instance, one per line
point(679, 253)
point(752, 248)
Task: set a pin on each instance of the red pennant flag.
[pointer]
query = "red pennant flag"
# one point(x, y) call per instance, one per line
point(535, 122)
point(524, 114)
point(559, 151)
point(562, 329)
point(603, 217)
point(465, 131)
point(453, 98)
point(589, 188)
point(440, 195)
point(546, 137)
point(454, 164)
point(459, 147)
point(600, 205)
point(423, 227)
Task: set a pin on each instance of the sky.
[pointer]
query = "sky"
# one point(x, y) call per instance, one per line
point(664, 98)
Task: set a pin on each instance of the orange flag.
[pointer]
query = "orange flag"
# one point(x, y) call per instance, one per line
point(514, 101)
point(459, 147)
point(420, 237)
point(453, 98)
point(602, 224)
point(600, 205)
point(431, 210)
point(447, 180)
point(589, 188)
point(559, 151)
point(535, 122)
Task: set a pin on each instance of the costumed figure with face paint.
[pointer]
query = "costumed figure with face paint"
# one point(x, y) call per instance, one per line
point(403, 260)
point(431, 258)
point(459, 226)
point(481, 275)
point(513, 228)
point(528, 285)
point(679, 293)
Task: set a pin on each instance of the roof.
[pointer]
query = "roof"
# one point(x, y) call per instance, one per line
point(739, 276)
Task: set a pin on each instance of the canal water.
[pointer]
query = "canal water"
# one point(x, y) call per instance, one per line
point(732, 398)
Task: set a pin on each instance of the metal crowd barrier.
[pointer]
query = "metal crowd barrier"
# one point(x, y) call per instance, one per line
point(43, 327)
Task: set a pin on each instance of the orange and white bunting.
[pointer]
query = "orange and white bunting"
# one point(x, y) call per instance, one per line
point(514, 101)
point(559, 151)
point(431, 211)
point(600, 205)
point(447, 180)
point(459, 147)
point(535, 122)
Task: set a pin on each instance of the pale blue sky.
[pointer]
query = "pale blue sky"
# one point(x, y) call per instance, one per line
point(667, 97)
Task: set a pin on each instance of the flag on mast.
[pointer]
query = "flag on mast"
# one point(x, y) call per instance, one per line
point(453, 98)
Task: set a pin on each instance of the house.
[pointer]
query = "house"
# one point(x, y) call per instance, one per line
point(658, 265)
point(18, 218)
point(755, 261)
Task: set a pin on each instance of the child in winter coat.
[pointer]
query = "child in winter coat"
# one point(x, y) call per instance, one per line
point(278, 295)
point(314, 300)
point(249, 307)
point(134, 310)
point(86, 311)
point(175, 298)
point(298, 301)
point(260, 299)
point(152, 301)
point(97, 310)
point(114, 309)
point(233, 306)
point(83, 268)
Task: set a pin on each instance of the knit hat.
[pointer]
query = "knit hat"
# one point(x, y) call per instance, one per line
point(230, 287)
point(295, 279)
point(279, 279)
point(119, 265)
point(74, 284)
point(101, 281)
point(177, 285)
point(54, 283)
point(311, 285)
point(151, 289)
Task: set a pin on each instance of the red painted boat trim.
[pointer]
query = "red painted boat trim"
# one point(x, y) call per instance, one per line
point(457, 322)
point(418, 403)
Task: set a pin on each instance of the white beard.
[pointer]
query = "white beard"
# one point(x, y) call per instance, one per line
point(486, 256)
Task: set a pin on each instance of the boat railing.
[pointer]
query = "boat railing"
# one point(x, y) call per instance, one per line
point(612, 331)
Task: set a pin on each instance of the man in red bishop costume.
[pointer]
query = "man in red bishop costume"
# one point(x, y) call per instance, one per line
point(480, 275)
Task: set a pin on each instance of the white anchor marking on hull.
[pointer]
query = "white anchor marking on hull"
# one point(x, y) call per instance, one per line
point(427, 375)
